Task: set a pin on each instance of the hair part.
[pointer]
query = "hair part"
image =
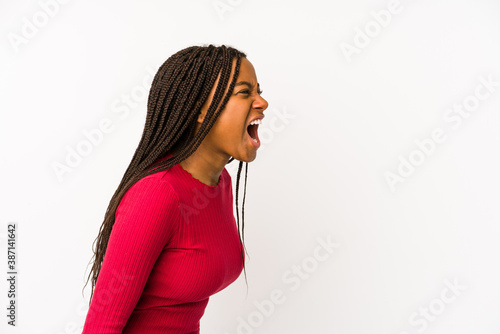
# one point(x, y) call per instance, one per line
point(179, 89)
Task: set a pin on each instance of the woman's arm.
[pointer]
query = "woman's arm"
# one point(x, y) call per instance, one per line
point(146, 218)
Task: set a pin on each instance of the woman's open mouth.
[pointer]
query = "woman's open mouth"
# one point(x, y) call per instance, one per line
point(253, 133)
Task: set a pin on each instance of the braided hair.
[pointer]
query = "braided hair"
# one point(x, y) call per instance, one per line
point(178, 91)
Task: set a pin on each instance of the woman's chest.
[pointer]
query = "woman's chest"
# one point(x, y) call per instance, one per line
point(203, 258)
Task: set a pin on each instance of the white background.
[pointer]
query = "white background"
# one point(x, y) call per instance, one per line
point(344, 123)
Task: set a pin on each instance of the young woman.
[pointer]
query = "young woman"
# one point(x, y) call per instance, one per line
point(169, 239)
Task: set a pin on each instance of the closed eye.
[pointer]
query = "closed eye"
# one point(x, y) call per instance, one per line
point(246, 91)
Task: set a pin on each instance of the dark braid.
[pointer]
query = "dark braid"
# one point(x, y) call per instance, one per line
point(243, 208)
point(179, 89)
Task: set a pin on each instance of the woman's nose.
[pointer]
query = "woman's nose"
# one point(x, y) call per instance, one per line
point(261, 103)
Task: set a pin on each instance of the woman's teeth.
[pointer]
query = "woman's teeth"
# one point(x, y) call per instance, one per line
point(257, 121)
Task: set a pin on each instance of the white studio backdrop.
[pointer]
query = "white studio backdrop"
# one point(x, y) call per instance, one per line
point(372, 206)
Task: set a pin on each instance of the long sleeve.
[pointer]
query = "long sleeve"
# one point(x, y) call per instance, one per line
point(145, 220)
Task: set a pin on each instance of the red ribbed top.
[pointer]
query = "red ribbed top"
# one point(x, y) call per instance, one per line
point(174, 243)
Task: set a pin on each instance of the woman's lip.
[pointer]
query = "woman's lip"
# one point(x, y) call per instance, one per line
point(255, 144)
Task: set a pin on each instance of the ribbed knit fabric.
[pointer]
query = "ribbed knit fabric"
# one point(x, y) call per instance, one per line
point(174, 243)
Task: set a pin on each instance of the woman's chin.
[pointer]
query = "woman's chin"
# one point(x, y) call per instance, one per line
point(248, 157)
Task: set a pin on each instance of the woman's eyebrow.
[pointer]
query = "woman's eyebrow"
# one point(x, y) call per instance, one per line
point(246, 83)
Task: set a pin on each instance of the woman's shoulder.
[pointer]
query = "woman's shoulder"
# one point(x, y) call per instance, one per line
point(153, 187)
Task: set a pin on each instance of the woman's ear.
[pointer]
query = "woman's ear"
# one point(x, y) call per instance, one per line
point(201, 117)
point(202, 112)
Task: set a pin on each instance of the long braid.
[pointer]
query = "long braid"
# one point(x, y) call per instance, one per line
point(178, 90)
point(243, 208)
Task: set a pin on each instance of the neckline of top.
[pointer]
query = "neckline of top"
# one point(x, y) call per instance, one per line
point(197, 181)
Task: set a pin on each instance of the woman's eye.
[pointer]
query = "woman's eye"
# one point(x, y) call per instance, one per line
point(246, 91)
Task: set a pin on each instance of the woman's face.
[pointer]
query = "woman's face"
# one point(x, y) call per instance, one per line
point(229, 135)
